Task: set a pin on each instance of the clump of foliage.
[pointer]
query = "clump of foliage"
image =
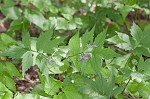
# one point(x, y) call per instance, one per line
point(99, 49)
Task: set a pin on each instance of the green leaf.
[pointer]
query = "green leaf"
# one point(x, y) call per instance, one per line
point(60, 96)
point(9, 3)
point(43, 41)
point(125, 10)
point(11, 69)
point(5, 93)
point(71, 93)
point(118, 90)
point(14, 52)
point(30, 96)
point(142, 51)
point(9, 82)
point(26, 39)
point(74, 44)
point(7, 39)
point(41, 62)
point(52, 87)
point(67, 16)
point(106, 53)
point(62, 24)
point(99, 40)
point(39, 89)
point(144, 90)
point(87, 36)
point(11, 12)
point(27, 61)
point(36, 17)
point(3, 88)
point(122, 41)
point(136, 33)
point(146, 35)
point(96, 62)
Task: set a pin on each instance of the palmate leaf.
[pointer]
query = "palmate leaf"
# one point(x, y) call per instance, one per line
point(27, 61)
point(44, 44)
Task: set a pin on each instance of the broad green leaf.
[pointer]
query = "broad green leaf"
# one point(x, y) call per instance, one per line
point(18, 24)
point(41, 62)
point(118, 90)
point(3, 88)
point(71, 25)
point(62, 24)
point(14, 52)
point(74, 44)
point(36, 18)
point(99, 40)
point(27, 61)
point(133, 87)
point(122, 41)
point(30, 96)
point(110, 84)
point(43, 41)
point(96, 62)
point(52, 87)
point(106, 53)
point(71, 92)
point(9, 82)
point(9, 3)
point(67, 16)
point(146, 35)
point(11, 12)
point(144, 90)
point(144, 66)
point(142, 51)
point(7, 39)
point(125, 10)
point(39, 89)
point(87, 36)
point(136, 33)
point(60, 96)
point(121, 61)
point(5, 93)
point(26, 39)
point(11, 69)
point(54, 43)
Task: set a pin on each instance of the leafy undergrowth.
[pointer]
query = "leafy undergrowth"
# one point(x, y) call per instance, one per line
point(74, 49)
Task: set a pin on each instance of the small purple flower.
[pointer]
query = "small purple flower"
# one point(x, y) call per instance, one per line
point(94, 46)
point(50, 61)
point(89, 42)
point(81, 58)
point(88, 55)
point(85, 58)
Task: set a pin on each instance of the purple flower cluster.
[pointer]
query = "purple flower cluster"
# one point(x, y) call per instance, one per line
point(85, 58)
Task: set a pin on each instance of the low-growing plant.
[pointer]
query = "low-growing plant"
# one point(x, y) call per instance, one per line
point(80, 49)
